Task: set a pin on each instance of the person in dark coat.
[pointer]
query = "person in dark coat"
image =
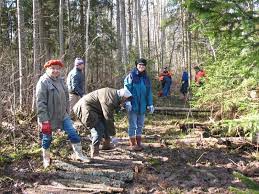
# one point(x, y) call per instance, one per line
point(96, 111)
point(75, 83)
point(185, 85)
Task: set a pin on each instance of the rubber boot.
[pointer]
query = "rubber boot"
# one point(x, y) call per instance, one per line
point(94, 151)
point(46, 157)
point(78, 154)
point(132, 142)
point(106, 144)
point(139, 146)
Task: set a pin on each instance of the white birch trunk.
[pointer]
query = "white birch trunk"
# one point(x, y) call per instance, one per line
point(20, 50)
point(36, 53)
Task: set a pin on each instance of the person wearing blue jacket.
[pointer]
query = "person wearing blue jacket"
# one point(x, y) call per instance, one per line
point(75, 83)
point(185, 84)
point(138, 83)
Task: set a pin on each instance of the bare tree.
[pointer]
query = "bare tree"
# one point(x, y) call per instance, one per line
point(61, 31)
point(183, 37)
point(162, 34)
point(82, 21)
point(1, 8)
point(1, 95)
point(139, 27)
point(148, 33)
point(36, 51)
point(20, 50)
point(123, 32)
point(87, 43)
point(118, 24)
point(136, 25)
point(130, 24)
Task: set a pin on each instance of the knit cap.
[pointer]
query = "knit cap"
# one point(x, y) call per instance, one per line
point(79, 61)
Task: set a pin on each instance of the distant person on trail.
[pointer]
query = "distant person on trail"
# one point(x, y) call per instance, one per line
point(185, 85)
point(75, 83)
point(200, 73)
point(139, 84)
point(53, 110)
point(96, 111)
point(166, 80)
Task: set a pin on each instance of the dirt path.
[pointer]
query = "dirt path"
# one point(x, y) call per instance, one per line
point(190, 165)
point(170, 163)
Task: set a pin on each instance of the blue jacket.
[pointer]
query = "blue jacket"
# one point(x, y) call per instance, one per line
point(185, 76)
point(75, 82)
point(140, 87)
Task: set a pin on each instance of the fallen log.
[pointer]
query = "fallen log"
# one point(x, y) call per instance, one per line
point(122, 175)
point(97, 188)
point(90, 178)
point(180, 109)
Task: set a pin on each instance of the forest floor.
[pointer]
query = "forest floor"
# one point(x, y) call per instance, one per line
point(173, 161)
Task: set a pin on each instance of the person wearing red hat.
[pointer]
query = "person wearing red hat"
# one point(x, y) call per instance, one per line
point(52, 104)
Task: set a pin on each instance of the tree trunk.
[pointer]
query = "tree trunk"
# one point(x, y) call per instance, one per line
point(155, 37)
point(61, 31)
point(136, 26)
point(190, 48)
point(42, 38)
point(123, 32)
point(1, 28)
point(87, 44)
point(36, 57)
point(20, 50)
point(162, 38)
point(1, 96)
point(140, 38)
point(130, 24)
point(148, 33)
point(183, 42)
point(82, 23)
point(118, 24)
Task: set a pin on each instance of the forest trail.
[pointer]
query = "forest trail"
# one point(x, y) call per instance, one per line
point(171, 162)
point(188, 165)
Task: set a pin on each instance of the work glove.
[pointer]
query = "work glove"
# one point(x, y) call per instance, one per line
point(151, 109)
point(46, 128)
point(128, 106)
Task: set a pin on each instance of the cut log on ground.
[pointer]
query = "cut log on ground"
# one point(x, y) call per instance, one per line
point(97, 188)
point(90, 178)
point(122, 175)
point(179, 109)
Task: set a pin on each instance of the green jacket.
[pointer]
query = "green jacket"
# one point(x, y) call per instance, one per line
point(52, 101)
point(98, 105)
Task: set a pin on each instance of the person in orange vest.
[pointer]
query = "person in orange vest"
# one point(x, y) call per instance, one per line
point(166, 79)
point(200, 73)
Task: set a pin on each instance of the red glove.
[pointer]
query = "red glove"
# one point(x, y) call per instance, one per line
point(46, 128)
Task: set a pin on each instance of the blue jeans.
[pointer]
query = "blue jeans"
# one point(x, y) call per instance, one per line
point(98, 132)
point(68, 128)
point(136, 124)
point(166, 88)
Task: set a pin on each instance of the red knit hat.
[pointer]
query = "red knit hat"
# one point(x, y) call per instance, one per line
point(53, 62)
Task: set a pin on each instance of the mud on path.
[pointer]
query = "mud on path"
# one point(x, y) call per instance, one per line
point(190, 165)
